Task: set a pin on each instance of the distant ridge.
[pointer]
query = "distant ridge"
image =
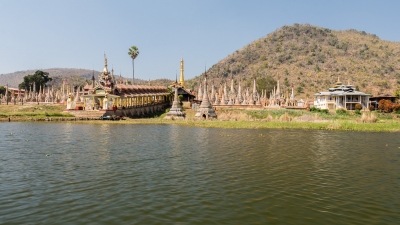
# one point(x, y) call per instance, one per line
point(310, 59)
point(73, 77)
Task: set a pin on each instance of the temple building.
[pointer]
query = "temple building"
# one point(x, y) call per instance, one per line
point(109, 94)
point(341, 97)
point(374, 101)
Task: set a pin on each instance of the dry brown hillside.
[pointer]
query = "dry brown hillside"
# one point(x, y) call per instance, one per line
point(311, 58)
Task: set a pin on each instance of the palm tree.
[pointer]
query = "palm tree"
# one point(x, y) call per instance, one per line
point(133, 52)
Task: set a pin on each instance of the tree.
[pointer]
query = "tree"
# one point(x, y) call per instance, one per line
point(286, 82)
point(397, 93)
point(266, 83)
point(39, 79)
point(133, 53)
point(2, 90)
point(299, 90)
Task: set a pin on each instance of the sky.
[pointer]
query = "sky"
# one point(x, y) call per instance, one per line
point(42, 34)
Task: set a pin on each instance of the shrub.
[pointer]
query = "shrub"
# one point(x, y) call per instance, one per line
point(372, 118)
point(371, 108)
point(299, 90)
point(357, 111)
point(364, 118)
point(368, 118)
point(326, 111)
point(285, 117)
point(385, 105)
point(358, 106)
point(341, 111)
point(396, 107)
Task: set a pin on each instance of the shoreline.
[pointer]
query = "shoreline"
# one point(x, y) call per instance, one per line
point(227, 119)
point(339, 125)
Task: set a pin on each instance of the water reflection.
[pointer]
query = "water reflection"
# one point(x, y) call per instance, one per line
point(170, 174)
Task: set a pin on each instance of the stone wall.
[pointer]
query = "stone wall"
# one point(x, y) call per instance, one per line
point(126, 112)
point(238, 107)
point(138, 111)
point(87, 114)
point(257, 107)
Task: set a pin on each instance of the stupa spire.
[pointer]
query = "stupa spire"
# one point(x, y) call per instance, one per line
point(105, 70)
point(338, 81)
point(205, 110)
point(292, 95)
point(93, 79)
point(278, 90)
point(240, 97)
point(176, 111)
point(181, 77)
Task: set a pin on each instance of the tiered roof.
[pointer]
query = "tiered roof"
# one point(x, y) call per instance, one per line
point(128, 90)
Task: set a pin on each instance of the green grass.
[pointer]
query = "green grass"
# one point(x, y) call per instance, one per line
point(346, 125)
point(22, 112)
point(388, 126)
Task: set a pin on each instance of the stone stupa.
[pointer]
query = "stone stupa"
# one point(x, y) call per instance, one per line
point(176, 110)
point(205, 109)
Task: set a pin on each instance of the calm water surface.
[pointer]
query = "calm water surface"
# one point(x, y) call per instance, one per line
point(65, 173)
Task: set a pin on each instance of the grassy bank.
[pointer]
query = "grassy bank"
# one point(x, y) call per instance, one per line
point(236, 118)
point(387, 126)
point(276, 119)
point(29, 111)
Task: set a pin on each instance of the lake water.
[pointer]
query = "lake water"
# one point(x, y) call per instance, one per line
point(66, 173)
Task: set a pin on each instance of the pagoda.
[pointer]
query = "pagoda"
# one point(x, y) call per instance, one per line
point(205, 109)
point(176, 111)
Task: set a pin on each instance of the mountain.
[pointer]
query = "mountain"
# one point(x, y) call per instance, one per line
point(307, 58)
point(74, 77)
point(310, 59)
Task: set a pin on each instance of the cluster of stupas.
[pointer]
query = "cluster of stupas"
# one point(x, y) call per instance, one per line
point(205, 110)
point(105, 93)
point(240, 97)
point(46, 95)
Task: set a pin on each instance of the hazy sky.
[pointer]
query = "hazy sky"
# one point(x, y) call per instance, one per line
point(40, 34)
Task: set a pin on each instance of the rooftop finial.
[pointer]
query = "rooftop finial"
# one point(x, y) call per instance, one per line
point(182, 76)
point(105, 60)
point(205, 70)
point(338, 82)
